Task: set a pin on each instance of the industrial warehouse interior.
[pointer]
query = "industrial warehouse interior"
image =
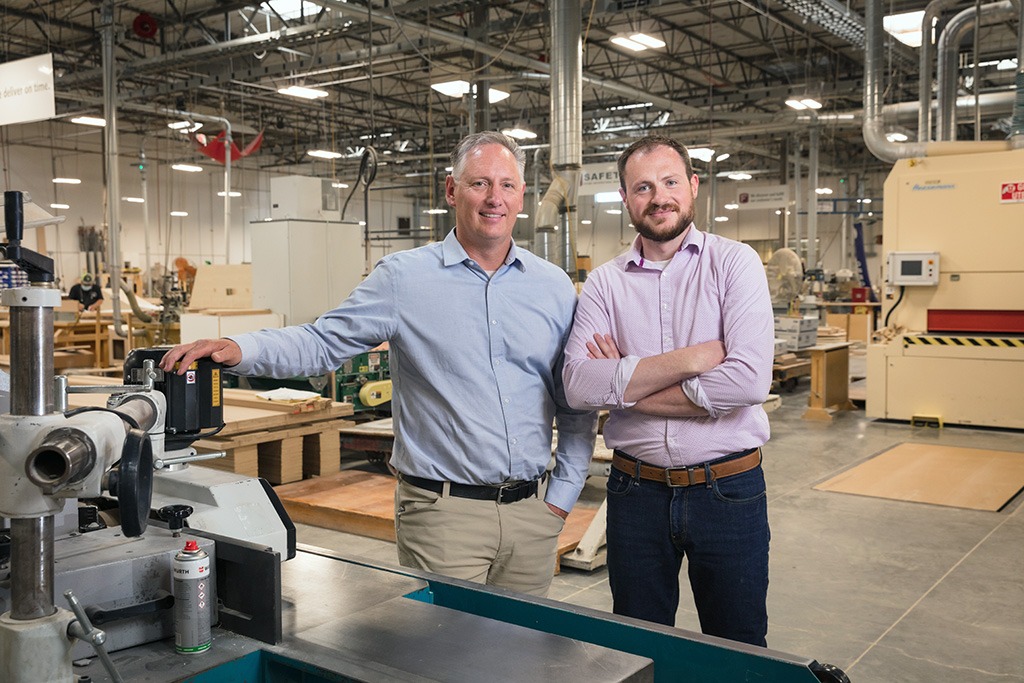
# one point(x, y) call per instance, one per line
point(184, 170)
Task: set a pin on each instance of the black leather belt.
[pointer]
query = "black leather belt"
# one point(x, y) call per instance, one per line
point(502, 493)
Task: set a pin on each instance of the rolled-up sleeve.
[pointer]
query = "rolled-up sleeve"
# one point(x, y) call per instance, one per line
point(748, 325)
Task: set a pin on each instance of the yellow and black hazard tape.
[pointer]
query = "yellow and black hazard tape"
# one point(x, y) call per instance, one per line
point(935, 340)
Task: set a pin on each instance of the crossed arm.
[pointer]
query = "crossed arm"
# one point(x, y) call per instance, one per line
point(655, 387)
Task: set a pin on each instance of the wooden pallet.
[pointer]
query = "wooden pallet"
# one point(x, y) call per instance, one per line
point(280, 456)
point(363, 503)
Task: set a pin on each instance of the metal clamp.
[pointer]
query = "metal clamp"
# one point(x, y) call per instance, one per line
point(82, 629)
point(161, 463)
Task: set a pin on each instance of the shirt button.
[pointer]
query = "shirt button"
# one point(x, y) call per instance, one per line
point(494, 322)
point(506, 401)
point(515, 441)
point(497, 362)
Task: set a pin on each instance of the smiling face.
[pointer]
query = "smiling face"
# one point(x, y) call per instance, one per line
point(658, 194)
point(487, 197)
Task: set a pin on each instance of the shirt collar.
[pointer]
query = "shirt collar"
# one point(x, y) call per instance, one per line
point(694, 241)
point(454, 253)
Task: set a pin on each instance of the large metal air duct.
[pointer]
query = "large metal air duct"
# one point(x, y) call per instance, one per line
point(924, 112)
point(948, 48)
point(557, 216)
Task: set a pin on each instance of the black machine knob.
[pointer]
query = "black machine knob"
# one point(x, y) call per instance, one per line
point(175, 516)
point(829, 673)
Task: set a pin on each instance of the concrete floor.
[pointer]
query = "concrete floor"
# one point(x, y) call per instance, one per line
point(888, 591)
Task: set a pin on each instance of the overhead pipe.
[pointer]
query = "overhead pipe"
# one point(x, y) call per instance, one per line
point(558, 207)
point(873, 128)
point(1017, 121)
point(227, 167)
point(948, 49)
point(924, 112)
point(113, 170)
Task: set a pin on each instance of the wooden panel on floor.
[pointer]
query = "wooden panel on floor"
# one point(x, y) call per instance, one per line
point(363, 503)
point(942, 475)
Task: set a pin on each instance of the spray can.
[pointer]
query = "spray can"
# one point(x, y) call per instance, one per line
point(192, 596)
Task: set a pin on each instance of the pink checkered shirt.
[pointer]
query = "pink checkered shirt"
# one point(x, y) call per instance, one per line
point(713, 288)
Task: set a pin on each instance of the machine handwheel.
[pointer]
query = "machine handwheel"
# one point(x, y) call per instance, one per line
point(133, 484)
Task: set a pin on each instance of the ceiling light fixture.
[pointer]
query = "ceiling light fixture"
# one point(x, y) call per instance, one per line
point(896, 137)
point(67, 181)
point(90, 121)
point(324, 154)
point(460, 88)
point(648, 41)
point(823, 190)
point(607, 197)
point(732, 206)
point(340, 186)
point(233, 193)
point(739, 176)
point(723, 156)
point(519, 133)
point(133, 200)
point(704, 154)
point(586, 222)
point(185, 127)
point(188, 168)
point(179, 214)
point(803, 103)
point(435, 212)
point(721, 219)
point(614, 212)
point(303, 92)
point(60, 206)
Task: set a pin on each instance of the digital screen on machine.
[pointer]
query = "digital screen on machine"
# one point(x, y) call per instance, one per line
point(911, 267)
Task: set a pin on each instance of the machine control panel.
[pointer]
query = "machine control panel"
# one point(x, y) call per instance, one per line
point(913, 268)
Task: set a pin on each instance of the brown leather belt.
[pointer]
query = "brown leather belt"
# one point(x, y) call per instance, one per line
point(685, 476)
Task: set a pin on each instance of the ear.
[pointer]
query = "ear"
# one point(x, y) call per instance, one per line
point(694, 184)
point(622, 193)
point(449, 190)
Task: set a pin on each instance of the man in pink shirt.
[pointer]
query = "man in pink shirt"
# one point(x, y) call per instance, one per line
point(675, 337)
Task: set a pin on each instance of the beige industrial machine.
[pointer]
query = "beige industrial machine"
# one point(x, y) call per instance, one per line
point(954, 247)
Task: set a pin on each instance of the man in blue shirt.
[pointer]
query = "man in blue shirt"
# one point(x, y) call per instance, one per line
point(476, 328)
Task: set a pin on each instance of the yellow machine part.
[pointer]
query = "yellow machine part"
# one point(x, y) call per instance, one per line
point(375, 393)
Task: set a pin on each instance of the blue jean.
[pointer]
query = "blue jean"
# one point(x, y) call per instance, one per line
point(722, 529)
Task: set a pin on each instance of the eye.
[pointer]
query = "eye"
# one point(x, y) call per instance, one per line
point(509, 186)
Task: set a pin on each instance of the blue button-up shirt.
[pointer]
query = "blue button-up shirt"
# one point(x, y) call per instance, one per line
point(476, 364)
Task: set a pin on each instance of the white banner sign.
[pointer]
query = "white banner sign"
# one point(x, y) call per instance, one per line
point(599, 178)
point(26, 90)
point(763, 196)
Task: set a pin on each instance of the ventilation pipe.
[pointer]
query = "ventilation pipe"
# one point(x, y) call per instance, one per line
point(1017, 122)
point(924, 112)
point(557, 208)
point(874, 130)
point(110, 159)
point(948, 48)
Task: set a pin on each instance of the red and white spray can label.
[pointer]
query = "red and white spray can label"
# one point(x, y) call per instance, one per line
point(193, 595)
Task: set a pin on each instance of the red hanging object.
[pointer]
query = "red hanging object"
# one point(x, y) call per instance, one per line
point(145, 26)
point(214, 147)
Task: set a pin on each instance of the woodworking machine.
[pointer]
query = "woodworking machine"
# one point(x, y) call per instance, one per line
point(955, 288)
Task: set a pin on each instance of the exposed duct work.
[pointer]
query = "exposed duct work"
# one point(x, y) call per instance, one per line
point(557, 214)
point(874, 129)
point(948, 49)
point(924, 112)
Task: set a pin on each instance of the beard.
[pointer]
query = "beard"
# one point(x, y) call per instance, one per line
point(666, 233)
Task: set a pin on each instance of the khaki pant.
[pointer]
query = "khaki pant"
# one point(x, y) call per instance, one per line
point(512, 545)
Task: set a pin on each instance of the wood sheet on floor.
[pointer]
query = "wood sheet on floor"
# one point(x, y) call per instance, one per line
point(363, 503)
point(970, 478)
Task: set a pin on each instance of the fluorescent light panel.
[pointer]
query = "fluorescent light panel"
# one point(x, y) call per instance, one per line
point(324, 154)
point(739, 176)
point(133, 200)
point(179, 214)
point(303, 92)
point(519, 133)
point(67, 181)
point(59, 206)
point(233, 193)
point(704, 154)
point(90, 121)
point(459, 88)
point(187, 168)
point(607, 197)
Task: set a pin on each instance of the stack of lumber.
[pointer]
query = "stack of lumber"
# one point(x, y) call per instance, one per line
point(279, 441)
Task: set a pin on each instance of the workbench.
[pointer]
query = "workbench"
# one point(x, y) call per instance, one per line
point(349, 620)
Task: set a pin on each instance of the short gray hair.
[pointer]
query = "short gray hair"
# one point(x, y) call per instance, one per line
point(487, 137)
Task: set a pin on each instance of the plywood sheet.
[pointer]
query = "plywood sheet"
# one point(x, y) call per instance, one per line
point(363, 503)
point(942, 475)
